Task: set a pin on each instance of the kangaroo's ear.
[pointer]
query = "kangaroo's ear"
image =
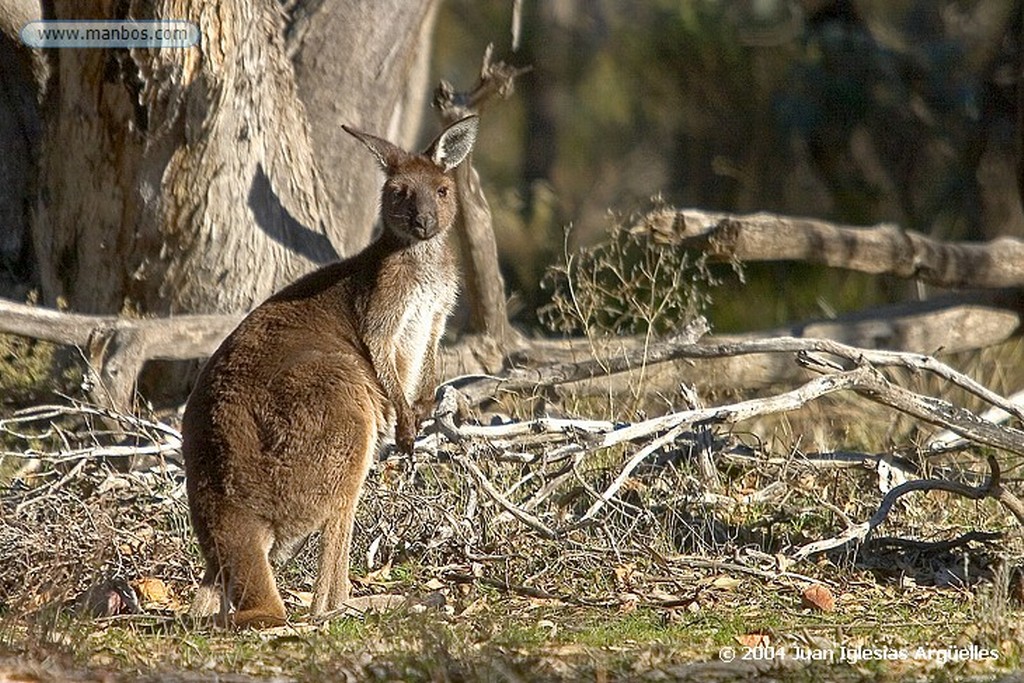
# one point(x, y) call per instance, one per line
point(454, 143)
point(388, 154)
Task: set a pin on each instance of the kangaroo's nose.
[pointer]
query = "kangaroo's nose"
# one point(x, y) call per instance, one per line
point(426, 225)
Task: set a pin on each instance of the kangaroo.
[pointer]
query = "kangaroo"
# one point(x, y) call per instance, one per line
point(290, 411)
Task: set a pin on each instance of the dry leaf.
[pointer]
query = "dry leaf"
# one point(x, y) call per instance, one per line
point(381, 575)
point(624, 572)
point(360, 605)
point(726, 582)
point(754, 640)
point(434, 584)
point(819, 597)
point(152, 590)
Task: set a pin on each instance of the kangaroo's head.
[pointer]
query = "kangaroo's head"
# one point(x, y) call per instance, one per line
point(418, 200)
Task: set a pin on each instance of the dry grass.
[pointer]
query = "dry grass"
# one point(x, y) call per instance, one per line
point(670, 572)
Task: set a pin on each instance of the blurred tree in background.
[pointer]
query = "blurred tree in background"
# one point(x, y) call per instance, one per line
point(857, 111)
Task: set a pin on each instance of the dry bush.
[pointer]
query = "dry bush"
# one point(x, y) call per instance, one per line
point(87, 505)
point(629, 283)
point(95, 508)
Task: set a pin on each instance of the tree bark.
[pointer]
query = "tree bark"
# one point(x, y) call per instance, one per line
point(22, 78)
point(364, 64)
point(879, 249)
point(189, 180)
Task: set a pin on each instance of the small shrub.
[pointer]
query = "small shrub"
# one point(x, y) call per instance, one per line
point(628, 284)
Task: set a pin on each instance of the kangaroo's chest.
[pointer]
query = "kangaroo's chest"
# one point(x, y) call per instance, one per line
point(421, 325)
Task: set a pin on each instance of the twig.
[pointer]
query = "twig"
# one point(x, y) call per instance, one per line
point(47, 490)
point(641, 455)
point(491, 490)
point(860, 532)
point(743, 410)
point(48, 412)
point(95, 452)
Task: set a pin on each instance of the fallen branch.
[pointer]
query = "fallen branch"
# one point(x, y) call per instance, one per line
point(117, 348)
point(478, 389)
point(964, 539)
point(852, 370)
point(947, 440)
point(936, 411)
point(550, 475)
point(725, 566)
point(882, 249)
point(859, 532)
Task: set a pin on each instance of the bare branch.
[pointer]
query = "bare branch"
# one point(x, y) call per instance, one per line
point(475, 226)
point(860, 532)
point(940, 412)
point(880, 249)
point(642, 454)
point(491, 490)
point(478, 389)
point(946, 440)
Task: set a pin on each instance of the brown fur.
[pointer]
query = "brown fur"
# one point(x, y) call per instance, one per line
point(289, 412)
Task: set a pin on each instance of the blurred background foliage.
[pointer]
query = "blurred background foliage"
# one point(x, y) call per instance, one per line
point(856, 111)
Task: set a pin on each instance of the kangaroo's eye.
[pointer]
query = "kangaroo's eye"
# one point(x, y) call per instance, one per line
point(442, 191)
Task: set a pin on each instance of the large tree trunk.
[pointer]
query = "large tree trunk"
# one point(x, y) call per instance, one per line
point(22, 77)
point(364, 64)
point(191, 180)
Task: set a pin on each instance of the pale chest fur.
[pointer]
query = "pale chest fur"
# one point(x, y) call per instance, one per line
point(420, 328)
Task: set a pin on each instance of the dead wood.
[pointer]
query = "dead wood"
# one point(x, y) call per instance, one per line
point(117, 348)
point(474, 225)
point(840, 368)
point(949, 440)
point(860, 532)
point(946, 324)
point(881, 249)
point(937, 411)
point(683, 348)
point(545, 476)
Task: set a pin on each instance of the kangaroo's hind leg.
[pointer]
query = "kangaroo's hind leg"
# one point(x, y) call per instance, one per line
point(332, 585)
point(250, 578)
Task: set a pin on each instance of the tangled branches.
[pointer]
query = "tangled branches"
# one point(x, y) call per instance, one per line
point(579, 510)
